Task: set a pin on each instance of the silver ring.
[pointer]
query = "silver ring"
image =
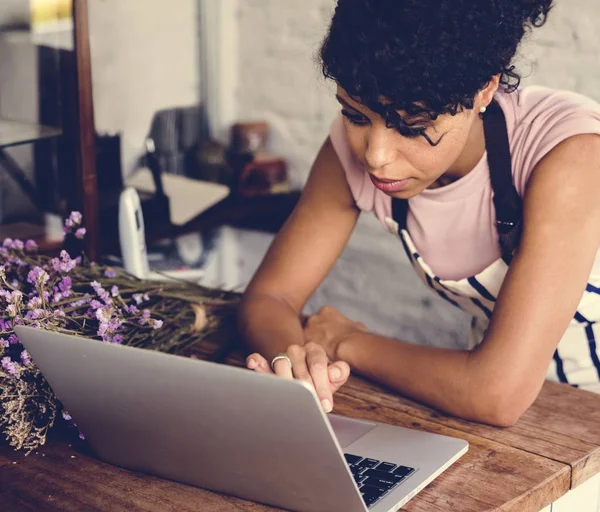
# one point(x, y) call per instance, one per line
point(277, 358)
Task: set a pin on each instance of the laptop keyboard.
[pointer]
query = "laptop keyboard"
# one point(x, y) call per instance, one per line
point(375, 478)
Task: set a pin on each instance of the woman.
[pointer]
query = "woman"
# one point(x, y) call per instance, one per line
point(492, 190)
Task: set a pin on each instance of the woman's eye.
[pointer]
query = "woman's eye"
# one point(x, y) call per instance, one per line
point(356, 119)
point(411, 134)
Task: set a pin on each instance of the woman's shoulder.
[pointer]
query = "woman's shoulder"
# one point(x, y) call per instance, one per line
point(532, 103)
point(539, 119)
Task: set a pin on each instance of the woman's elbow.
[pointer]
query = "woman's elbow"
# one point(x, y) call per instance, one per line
point(499, 406)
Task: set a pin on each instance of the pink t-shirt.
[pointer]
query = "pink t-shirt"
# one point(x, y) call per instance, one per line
point(453, 227)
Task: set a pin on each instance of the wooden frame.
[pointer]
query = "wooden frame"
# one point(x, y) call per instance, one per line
point(85, 196)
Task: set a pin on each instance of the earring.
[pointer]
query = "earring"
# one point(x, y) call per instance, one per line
point(483, 110)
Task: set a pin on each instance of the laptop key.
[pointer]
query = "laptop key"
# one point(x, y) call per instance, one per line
point(369, 499)
point(367, 463)
point(352, 459)
point(382, 476)
point(379, 484)
point(386, 466)
point(360, 479)
point(357, 470)
point(403, 471)
point(372, 490)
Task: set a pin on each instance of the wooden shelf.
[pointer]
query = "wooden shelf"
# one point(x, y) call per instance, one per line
point(15, 133)
point(260, 213)
point(264, 213)
point(61, 38)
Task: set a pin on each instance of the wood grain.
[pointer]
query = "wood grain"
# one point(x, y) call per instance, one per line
point(561, 425)
point(490, 476)
point(65, 476)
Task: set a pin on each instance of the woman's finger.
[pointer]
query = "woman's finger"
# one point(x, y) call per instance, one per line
point(300, 368)
point(282, 367)
point(339, 372)
point(317, 362)
point(258, 363)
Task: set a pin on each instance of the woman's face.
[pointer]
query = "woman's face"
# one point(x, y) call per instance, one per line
point(409, 163)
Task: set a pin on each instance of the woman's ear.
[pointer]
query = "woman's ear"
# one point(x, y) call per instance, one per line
point(485, 96)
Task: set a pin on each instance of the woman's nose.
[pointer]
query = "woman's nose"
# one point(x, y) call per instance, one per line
point(381, 148)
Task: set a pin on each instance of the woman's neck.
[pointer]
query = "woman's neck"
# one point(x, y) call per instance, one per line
point(469, 157)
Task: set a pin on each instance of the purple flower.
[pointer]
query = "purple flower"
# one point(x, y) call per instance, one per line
point(101, 292)
point(14, 297)
point(137, 297)
point(25, 358)
point(96, 304)
point(114, 291)
point(145, 296)
point(10, 367)
point(34, 303)
point(102, 315)
point(80, 233)
point(11, 310)
point(146, 313)
point(4, 343)
point(36, 314)
point(66, 415)
point(7, 243)
point(65, 286)
point(13, 340)
point(103, 330)
point(38, 277)
point(114, 324)
point(117, 339)
point(65, 264)
point(110, 273)
point(30, 246)
point(81, 436)
point(157, 324)
point(73, 220)
point(132, 310)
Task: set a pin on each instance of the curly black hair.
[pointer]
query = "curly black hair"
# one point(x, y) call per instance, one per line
point(426, 57)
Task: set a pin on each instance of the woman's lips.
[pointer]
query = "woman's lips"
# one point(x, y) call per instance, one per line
point(389, 185)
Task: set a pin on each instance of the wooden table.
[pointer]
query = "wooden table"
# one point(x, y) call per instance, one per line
point(553, 449)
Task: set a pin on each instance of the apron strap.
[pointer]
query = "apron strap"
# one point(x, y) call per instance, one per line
point(507, 202)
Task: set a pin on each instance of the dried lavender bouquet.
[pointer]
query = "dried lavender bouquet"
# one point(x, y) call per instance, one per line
point(78, 297)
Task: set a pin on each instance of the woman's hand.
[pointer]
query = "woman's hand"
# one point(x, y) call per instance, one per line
point(329, 328)
point(309, 364)
point(312, 362)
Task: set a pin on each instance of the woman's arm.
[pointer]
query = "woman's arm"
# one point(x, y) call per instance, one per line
point(498, 381)
point(300, 257)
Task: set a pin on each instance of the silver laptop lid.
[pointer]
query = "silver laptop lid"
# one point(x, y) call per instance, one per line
point(228, 429)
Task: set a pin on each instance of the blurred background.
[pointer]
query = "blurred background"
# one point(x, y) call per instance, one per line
point(218, 92)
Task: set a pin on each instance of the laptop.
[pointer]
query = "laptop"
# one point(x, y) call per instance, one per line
point(233, 431)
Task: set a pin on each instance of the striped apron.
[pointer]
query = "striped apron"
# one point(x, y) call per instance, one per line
point(576, 360)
